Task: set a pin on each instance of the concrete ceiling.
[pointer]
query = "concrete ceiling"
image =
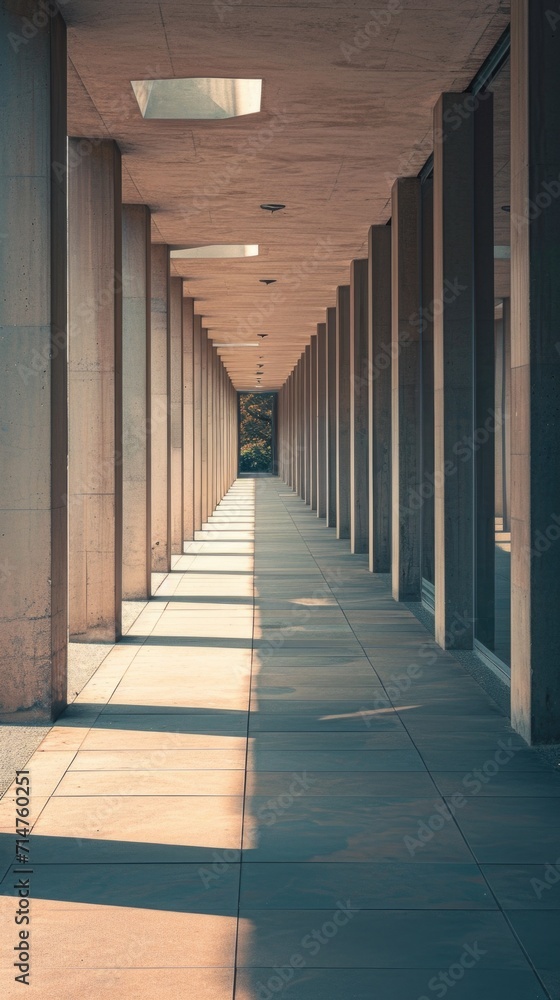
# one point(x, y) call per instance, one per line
point(338, 123)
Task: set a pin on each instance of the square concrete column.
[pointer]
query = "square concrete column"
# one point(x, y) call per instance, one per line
point(188, 419)
point(359, 407)
point(204, 424)
point(33, 442)
point(455, 295)
point(321, 420)
point(197, 423)
point(405, 380)
point(298, 445)
point(175, 375)
point(313, 421)
point(343, 411)
point(210, 430)
point(293, 431)
point(307, 423)
point(330, 378)
point(95, 391)
point(379, 368)
point(136, 402)
point(159, 437)
point(484, 375)
point(535, 322)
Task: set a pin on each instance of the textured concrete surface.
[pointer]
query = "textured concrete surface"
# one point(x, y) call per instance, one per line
point(278, 771)
point(348, 95)
point(18, 743)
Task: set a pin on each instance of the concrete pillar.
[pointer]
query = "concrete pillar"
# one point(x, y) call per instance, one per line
point(159, 437)
point(359, 407)
point(33, 442)
point(454, 359)
point(136, 402)
point(204, 424)
point(295, 430)
point(209, 428)
point(313, 421)
point(176, 414)
point(188, 419)
point(197, 423)
point(535, 320)
point(484, 305)
point(321, 420)
point(427, 390)
point(306, 416)
point(330, 378)
point(379, 421)
point(405, 380)
point(216, 433)
point(95, 392)
point(297, 442)
point(343, 411)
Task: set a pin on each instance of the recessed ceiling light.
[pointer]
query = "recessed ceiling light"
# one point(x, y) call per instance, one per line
point(216, 251)
point(204, 98)
point(267, 281)
point(272, 207)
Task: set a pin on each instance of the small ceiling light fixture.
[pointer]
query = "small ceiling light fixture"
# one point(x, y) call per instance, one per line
point(267, 281)
point(272, 207)
point(262, 335)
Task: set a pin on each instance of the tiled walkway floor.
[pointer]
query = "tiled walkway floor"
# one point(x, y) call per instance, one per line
point(273, 698)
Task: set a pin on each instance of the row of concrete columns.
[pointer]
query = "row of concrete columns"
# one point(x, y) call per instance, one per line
point(364, 399)
point(119, 421)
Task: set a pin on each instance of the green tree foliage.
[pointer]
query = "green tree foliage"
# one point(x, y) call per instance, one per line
point(255, 432)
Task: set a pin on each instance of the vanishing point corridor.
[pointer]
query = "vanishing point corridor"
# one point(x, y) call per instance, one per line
point(278, 784)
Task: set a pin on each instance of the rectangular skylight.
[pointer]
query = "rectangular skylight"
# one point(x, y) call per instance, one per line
point(204, 98)
point(214, 252)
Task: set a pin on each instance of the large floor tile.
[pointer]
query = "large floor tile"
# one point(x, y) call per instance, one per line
point(117, 829)
point(405, 939)
point(400, 886)
point(315, 828)
point(333, 760)
point(65, 983)
point(511, 830)
point(308, 983)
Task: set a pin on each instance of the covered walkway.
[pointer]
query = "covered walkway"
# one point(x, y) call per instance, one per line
point(278, 783)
